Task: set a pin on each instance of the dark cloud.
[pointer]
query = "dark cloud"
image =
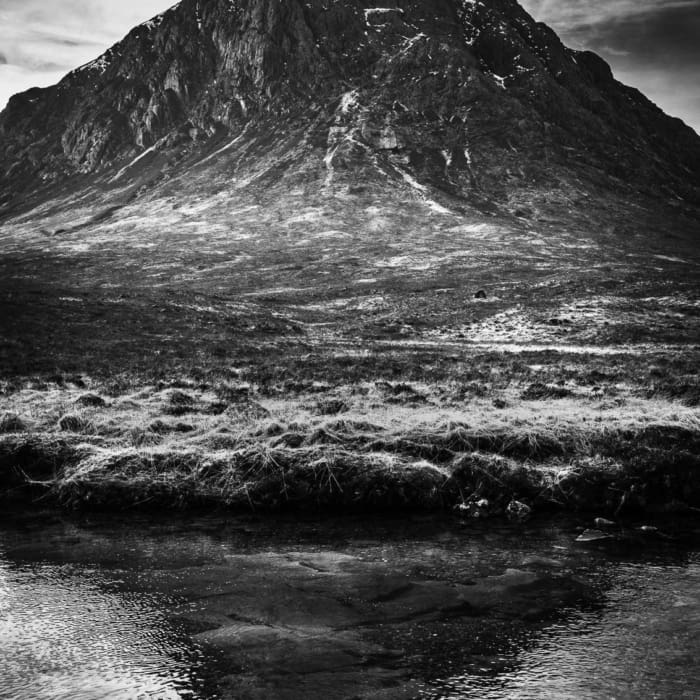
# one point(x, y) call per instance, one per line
point(651, 44)
point(64, 41)
point(3, 60)
point(670, 38)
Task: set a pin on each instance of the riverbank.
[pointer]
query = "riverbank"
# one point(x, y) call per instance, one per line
point(508, 447)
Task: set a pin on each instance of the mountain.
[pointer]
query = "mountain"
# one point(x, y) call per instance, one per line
point(468, 104)
point(241, 182)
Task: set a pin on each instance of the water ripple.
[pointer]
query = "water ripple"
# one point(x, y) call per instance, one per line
point(72, 634)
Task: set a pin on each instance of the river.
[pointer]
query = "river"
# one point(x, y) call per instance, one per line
point(129, 607)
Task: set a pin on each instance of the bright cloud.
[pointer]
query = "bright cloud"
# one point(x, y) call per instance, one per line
point(563, 14)
point(41, 41)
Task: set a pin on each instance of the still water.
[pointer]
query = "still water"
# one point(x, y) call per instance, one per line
point(208, 608)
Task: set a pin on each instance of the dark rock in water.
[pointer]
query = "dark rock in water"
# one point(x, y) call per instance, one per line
point(652, 531)
point(322, 620)
point(593, 536)
point(481, 294)
point(603, 524)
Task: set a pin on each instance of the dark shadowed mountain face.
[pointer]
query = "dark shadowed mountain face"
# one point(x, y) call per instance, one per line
point(472, 100)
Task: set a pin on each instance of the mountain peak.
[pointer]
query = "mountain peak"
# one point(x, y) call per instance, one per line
point(473, 98)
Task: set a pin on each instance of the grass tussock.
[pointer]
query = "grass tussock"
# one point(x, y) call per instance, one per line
point(514, 434)
point(634, 470)
point(74, 423)
point(539, 392)
point(253, 477)
point(90, 401)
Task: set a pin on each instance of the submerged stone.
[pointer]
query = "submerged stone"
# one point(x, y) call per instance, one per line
point(593, 536)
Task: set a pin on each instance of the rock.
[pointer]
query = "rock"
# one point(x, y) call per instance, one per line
point(518, 511)
point(650, 530)
point(593, 536)
point(477, 508)
point(481, 294)
point(309, 624)
point(603, 524)
point(387, 140)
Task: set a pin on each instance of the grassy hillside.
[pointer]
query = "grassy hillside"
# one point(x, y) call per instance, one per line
point(363, 351)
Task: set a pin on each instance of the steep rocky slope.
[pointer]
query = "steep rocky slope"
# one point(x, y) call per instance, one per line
point(472, 102)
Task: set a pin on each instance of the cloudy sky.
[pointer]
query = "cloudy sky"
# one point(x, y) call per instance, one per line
point(651, 44)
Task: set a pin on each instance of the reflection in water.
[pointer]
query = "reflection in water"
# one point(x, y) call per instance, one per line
point(643, 642)
point(70, 633)
point(343, 609)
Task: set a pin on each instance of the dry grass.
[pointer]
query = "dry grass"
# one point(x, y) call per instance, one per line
point(371, 445)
